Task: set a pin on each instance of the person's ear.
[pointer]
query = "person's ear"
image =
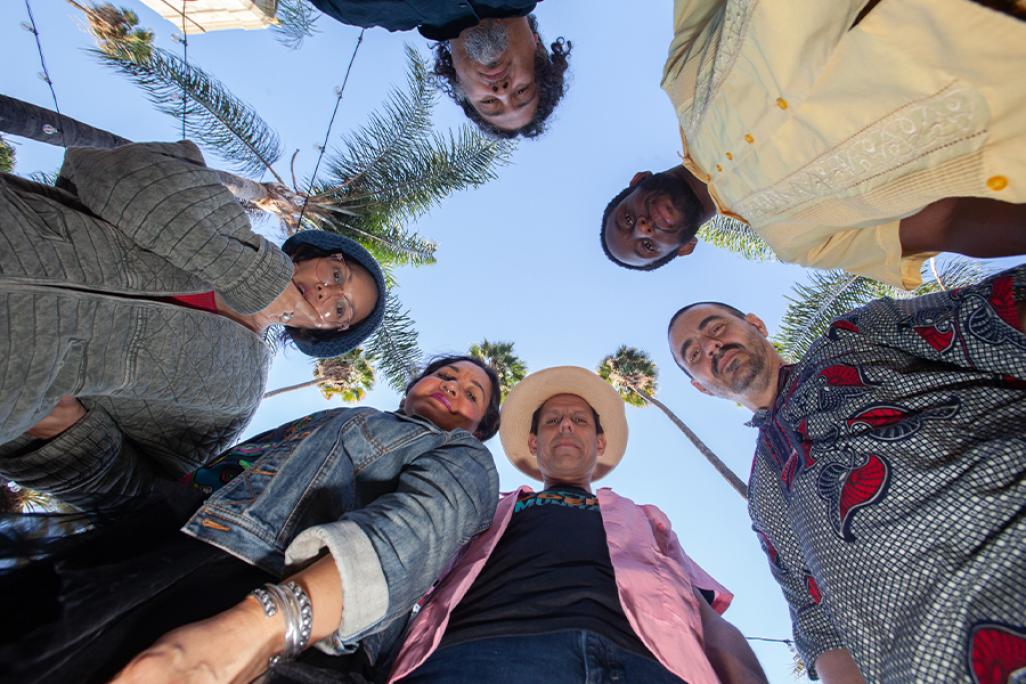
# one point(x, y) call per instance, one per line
point(688, 247)
point(600, 444)
point(638, 177)
point(757, 323)
point(701, 388)
point(532, 444)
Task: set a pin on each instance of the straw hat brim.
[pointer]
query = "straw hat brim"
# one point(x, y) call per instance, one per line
point(536, 389)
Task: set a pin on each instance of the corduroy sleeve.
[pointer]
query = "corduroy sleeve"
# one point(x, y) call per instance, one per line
point(89, 465)
point(163, 198)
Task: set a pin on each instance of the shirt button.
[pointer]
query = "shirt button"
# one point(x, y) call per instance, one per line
point(997, 183)
point(719, 168)
point(749, 139)
point(782, 103)
point(729, 155)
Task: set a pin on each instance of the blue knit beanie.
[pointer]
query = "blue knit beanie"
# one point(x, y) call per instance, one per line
point(325, 344)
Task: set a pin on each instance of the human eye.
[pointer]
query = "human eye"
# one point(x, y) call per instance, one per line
point(628, 219)
point(344, 312)
point(471, 396)
point(648, 246)
point(551, 420)
point(580, 420)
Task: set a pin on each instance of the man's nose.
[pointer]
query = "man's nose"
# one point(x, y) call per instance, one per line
point(566, 425)
point(500, 86)
point(710, 346)
point(643, 226)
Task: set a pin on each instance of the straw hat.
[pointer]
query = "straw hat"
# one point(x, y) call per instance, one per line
point(536, 389)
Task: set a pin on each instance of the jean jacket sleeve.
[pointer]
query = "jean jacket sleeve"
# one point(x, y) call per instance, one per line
point(163, 198)
point(389, 552)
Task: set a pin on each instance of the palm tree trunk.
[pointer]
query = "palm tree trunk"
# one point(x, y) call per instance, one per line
point(43, 125)
point(732, 479)
point(38, 123)
point(289, 388)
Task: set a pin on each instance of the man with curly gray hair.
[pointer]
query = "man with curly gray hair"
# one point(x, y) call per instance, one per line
point(489, 57)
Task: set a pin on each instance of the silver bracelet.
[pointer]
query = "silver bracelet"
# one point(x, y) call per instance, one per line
point(305, 614)
point(297, 610)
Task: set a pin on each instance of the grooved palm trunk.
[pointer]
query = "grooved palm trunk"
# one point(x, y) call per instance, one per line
point(732, 479)
point(38, 123)
point(33, 122)
point(289, 388)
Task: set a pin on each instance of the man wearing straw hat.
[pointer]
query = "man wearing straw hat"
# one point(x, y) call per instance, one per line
point(568, 584)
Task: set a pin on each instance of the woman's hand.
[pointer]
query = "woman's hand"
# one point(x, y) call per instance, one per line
point(233, 646)
point(288, 308)
point(66, 413)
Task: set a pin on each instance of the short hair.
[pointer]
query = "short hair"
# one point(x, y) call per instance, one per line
point(549, 76)
point(613, 203)
point(489, 424)
point(536, 416)
point(681, 311)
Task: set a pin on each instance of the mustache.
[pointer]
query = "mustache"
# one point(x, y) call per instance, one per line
point(719, 355)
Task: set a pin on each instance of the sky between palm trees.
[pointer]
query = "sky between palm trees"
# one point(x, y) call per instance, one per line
point(518, 259)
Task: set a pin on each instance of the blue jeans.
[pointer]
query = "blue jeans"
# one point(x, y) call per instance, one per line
point(576, 657)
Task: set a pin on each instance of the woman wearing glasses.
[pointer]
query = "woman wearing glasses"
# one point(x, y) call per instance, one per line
point(136, 304)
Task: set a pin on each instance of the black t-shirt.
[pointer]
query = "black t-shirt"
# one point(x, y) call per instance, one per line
point(549, 572)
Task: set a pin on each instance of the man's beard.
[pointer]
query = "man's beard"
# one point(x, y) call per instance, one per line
point(749, 371)
point(485, 42)
point(682, 198)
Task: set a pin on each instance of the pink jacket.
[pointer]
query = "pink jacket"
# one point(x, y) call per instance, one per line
point(654, 578)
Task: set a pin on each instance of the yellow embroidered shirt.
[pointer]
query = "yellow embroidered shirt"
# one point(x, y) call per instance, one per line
point(823, 137)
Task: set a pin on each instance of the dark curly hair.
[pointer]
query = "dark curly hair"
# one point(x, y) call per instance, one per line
point(489, 424)
point(549, 76)
point(662, 261)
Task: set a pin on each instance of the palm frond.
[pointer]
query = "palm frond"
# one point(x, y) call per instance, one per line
point(389, 241)
point(389, 136)
point(393, 347)
point(394, 168)
point(214, 116)
point(44, 177)
point(737, 237)
point(510, 368)
point(826, 295)
point(297, 21)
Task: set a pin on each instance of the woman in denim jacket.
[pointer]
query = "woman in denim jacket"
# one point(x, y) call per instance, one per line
point(367, 505)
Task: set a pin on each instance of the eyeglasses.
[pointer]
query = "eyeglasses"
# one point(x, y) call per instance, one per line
point(334, 273)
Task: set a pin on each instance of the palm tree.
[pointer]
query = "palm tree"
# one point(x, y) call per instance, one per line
point(27, 120)
point(295, 21)
point(632, 373)
point(510, 368)
point(382, 177)
point(829, 294)
point(349, 376)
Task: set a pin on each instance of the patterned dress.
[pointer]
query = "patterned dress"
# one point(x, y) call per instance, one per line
point(888, 487)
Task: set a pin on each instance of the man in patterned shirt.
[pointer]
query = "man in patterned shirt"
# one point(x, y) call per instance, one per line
point(889, 478)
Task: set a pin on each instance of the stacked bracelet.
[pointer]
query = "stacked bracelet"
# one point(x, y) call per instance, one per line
point(294, 603)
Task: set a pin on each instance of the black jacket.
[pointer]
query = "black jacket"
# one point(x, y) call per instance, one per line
point(436, 19)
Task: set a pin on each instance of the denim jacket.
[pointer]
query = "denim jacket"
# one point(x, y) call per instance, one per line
point(390, 497)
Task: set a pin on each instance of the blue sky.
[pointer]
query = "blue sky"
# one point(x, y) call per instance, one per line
point(518, 259)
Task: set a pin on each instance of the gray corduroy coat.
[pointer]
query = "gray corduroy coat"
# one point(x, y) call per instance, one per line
point(81, 276)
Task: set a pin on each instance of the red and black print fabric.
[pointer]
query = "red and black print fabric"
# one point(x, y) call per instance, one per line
point(888, 486)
